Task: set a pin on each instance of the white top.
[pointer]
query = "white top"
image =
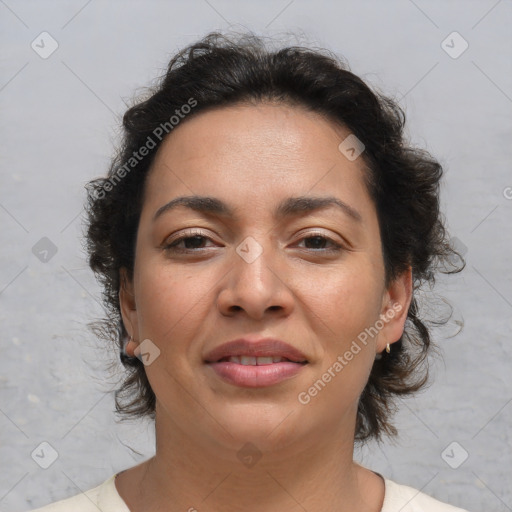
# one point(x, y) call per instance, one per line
point(397, 498)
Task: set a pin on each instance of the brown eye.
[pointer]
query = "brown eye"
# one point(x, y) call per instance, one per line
point(317, 242)
point(191, 242)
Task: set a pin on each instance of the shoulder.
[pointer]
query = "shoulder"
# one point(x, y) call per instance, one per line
point(104, 498)
point(407, 499)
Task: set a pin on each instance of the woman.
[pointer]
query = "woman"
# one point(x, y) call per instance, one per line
point(260, 238)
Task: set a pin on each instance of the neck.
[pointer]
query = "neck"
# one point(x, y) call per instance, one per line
point(319, 475)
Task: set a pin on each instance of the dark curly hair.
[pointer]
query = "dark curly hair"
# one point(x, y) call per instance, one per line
point(402, 181)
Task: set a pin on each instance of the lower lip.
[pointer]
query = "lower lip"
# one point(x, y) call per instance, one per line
point(253, 376)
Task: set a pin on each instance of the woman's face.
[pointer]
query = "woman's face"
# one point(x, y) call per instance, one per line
point(313, 278)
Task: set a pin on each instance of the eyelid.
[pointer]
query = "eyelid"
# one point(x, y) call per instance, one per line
point(336, 246)
point(335, 239)
point(186, 234)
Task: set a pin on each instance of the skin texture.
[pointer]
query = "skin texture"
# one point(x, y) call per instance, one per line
point(253, 157)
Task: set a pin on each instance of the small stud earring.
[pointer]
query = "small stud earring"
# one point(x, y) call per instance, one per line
point(388, 348)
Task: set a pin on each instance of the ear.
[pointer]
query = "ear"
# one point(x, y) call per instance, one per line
point(128, 310)
point(395, 306)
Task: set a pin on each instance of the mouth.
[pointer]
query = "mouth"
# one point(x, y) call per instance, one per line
point(255, 363)
point(247, 360)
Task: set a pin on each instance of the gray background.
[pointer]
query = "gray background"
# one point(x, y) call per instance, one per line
point(59, 122)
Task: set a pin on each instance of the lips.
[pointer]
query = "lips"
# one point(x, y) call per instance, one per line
point(255, 352)
point(255, 363)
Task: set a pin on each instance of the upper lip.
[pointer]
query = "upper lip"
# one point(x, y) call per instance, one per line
point(262, 347)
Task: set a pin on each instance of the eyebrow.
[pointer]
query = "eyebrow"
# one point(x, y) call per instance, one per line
point(287, 208)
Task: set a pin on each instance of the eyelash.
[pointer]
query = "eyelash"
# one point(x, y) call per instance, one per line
point(172, 247)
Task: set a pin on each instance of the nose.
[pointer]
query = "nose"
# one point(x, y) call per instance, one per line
point(256, 286)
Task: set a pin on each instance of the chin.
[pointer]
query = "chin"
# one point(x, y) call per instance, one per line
point(266, 426)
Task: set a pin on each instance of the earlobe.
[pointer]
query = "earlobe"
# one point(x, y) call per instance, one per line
point(130, 347)
point(395, 308)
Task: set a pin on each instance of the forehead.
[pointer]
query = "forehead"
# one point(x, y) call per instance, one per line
point(249, 154)
point(262, 129)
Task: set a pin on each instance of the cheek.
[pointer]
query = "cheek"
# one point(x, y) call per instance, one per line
point(346, 299)
point(355, 301)
point(169, 299)
point(172, 308)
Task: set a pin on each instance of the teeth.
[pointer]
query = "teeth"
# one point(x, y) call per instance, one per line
point(255, 361)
